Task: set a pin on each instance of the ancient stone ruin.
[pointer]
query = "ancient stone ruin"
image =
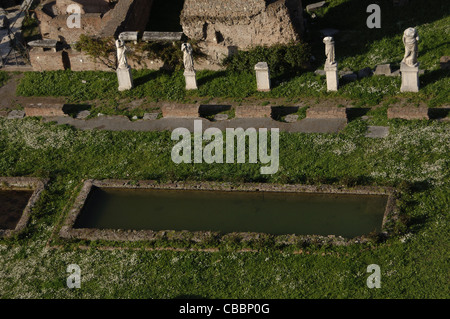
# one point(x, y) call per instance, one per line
point(102, 18)
point(223, 27)
point(220, 27)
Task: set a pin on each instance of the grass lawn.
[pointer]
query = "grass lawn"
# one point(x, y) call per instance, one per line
point(4, 77)
point(414, 263)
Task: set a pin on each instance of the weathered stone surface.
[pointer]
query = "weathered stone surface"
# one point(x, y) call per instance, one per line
point(445, 62)
point(224, 26)
point(45, 109)
point(180, 110)
point(125, 79)
point(315, 6)
point(364, 73)
point(45, 43)
point(410, 78)
point(320, 72)
point(16, 114)
point(83, 115)
point(262, 77)
point(396, 73)
point(162, 36)
point(98, 17)
point(253, 111)
point(191, 81)
point(408, 113)
point(129, 36)
point(46, 61)
point(332, 77)
point(377, 131)
point(383, 69)
point(326, 112)
point(150, 116)
point(291, 118)
point(221, 117)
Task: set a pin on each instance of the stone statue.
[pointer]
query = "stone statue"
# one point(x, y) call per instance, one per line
point(410, 39)
point(329, 50)
point(188, 59)
point(122, 62)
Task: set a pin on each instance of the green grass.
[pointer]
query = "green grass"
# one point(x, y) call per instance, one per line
point(357, 46)
point(164, 86)
point(414, 264)
point(4, 77)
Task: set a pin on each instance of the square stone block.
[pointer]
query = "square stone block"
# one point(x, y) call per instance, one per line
point(125, 79)
point(332, 77)
point(262, 77)
point(191, 81)
point(410, 78)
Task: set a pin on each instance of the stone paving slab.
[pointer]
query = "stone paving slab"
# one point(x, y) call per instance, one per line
point(377, 131)
point(122, 123)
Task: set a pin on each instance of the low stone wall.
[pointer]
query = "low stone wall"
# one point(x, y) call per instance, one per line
point(253, 111)
point(326, 112)
point(44, 109)
point(79, 61)
point(68, 232)
point(181, 110)
point(46, 60)
point(37, 184)
point(408, 113)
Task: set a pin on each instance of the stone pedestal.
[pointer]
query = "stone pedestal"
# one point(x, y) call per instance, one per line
point(262, 77)
point(332, 77)
point(191, 82)
point(410, 78)
point(125, 79)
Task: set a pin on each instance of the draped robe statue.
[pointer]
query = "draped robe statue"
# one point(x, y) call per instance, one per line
point(122, 62)
point(188, 59)
point(410, 39)
point(329, 50)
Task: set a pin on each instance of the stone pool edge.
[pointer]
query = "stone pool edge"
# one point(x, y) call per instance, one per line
point(34, 183)
point(68, 232)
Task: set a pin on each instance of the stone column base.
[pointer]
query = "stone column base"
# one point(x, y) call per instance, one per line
point(410, 78)
point(125, 79)
point(332, 77)
point(262, 77)
point(191, 82)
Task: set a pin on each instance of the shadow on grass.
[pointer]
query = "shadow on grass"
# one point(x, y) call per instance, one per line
point(432, 77)
point(211, 110)
point(354, 113)
point(143, 79)
point(279, 111)
point(205, 79)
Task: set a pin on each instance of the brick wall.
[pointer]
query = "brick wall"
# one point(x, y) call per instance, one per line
point(253, 111)
point(408, 113)
point(46, 60)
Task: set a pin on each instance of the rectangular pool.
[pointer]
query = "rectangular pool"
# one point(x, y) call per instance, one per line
point(347, 215)
point(12, 205)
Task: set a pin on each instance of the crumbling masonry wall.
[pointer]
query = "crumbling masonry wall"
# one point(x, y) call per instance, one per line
point(98, 18)
point(225, 26)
